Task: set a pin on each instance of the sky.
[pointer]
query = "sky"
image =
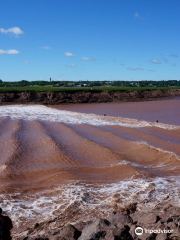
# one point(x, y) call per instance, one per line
point(89, 40)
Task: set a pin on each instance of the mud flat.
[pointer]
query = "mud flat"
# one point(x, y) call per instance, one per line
point(85, 96)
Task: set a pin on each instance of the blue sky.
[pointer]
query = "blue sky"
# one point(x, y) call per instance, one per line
point(89, 39)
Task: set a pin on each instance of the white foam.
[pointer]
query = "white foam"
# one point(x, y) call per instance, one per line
point(39, 206)
point(43, 113)
point(2, 168)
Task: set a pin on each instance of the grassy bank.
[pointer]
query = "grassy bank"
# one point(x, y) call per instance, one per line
point(63, 89)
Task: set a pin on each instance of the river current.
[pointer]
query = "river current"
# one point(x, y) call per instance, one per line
point(92, 157)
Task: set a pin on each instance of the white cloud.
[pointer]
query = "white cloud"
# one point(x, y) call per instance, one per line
point(45, 47)
point(155, 61)
point(70, 65)
point(14, 31)
point(10, 51)
point(136, 15)
point(25, 61)
point(174, 55)
point(133, 68)
point(88, 59)
point(165, 59)
point(68, 54)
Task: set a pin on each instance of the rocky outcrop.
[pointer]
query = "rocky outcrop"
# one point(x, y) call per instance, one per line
point(62, 97)
point(161, 223)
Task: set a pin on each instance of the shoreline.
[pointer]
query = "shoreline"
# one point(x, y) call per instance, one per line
point(160, 223)
point(94, 96)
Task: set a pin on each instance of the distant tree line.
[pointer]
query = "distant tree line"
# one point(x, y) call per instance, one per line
point(146, 83)
point(87, 83)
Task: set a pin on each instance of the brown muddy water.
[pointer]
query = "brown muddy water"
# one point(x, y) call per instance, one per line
point(57, 157)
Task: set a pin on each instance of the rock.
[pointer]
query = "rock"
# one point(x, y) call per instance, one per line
point(131, 208)
point(177, 221)
point(171, 214)
point(174, 211)
point(98, 229)
point(81, 225)
point(68, 232)
point(160, 225)
point(147, 218)
point(119, 219)
point(36, 238)
point(144, 236)
point(172, 225)
point(123, 233)
point(175, 235)
point(165, 216)
point(118, 226)
point(110, 236)
point(161, 236)
point(36, 225)
point(142, 218)
point(165, 208)
point(134, 217)
point(132, 231)
point(147, 236)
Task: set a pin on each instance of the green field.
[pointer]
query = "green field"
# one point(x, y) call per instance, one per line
point(63, 89)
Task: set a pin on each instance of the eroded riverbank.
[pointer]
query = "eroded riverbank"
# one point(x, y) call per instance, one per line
point(63, 97)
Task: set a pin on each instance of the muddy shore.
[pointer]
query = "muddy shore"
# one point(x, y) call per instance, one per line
point(85, 96)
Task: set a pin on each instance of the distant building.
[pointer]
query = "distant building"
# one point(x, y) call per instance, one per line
point(49, 79)
point(71, 84)
point(58, 84)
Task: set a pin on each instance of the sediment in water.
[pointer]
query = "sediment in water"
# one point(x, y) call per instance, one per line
point(96, 152)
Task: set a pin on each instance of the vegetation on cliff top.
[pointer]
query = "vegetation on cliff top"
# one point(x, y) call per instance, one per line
point(78, 89)
point(41, 85)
